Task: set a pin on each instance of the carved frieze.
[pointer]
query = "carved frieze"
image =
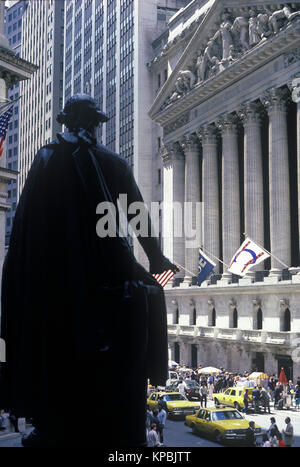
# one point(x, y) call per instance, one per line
point(235, 36)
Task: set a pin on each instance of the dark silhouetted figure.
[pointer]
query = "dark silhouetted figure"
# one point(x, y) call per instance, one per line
point(77, 308)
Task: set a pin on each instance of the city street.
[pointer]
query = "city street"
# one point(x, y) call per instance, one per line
point(177, 434)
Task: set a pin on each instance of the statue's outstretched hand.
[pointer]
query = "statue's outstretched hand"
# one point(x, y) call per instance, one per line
point(163, 265)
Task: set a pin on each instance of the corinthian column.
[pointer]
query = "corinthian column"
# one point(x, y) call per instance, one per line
point(230, 188)
point(253, 174)
point(173, 196)
point(295, 89)
point(280, 218)
point(192, 225)
point(210, 191)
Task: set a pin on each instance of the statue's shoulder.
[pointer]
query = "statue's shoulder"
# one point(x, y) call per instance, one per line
point(45, 152)
point(110, 158)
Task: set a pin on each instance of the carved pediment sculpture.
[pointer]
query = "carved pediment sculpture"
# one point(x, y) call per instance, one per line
point(235, 36)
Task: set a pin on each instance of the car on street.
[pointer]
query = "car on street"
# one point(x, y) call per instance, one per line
point(223, 425)
point(232, 397)
point(174, 403)
point(192, 390)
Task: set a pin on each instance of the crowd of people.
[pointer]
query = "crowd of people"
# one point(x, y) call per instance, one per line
point(268, 390)
point(155, 424)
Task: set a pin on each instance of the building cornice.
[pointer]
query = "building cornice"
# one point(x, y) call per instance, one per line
point(13, 65)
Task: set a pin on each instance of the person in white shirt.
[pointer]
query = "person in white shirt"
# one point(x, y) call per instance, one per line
point(153, 440)
point(182, 387)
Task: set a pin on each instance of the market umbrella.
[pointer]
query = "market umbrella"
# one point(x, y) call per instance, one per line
point(172, 363)
point(209, 369)
point(258, 375)
point(282, 378)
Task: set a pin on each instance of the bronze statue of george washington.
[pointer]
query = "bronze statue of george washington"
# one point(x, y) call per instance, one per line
point(84, 323)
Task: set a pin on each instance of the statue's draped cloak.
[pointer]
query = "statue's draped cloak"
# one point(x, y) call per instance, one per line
point(53, 278)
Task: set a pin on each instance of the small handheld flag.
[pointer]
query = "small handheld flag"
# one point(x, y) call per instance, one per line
point(164, 278)
point(4, 120)
point(205, 268)
point(247, 256)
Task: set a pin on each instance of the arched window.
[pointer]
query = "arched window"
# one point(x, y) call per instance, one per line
point(287, 320)
point(259, 319)
point(235, 318)
point(213, 317)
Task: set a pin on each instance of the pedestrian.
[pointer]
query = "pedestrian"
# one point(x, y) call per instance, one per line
point(153, 440)
point(256, 398)
point(154, 418)
point(281, 443)
point(265, 398)
point(246, 400)
point(288, 433)
point(274, 436)
point(266, 442)
point(271, 388)
point(162, 416)
point(297, 397)
point(62, 261)
point(203, 395)
point(277, 394)
point(250, 435)
point(148, 419)
point(182, 387)
point(273, 427)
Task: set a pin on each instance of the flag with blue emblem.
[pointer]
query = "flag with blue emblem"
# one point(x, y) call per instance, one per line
point(248, 255)
point(205, 267)
point(4, 120)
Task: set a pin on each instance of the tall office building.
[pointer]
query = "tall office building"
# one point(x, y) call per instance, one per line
point(42, 44)
point(13, 32)
point(107, 48)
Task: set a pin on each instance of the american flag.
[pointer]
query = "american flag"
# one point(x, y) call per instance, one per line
point(164, 278)
point(4, 120)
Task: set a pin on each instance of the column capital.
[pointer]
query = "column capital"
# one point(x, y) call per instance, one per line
point(190, 143)
point(275, 100)
point(250, 113)
point(171, 152)
point(227, 123)
point(208, 134)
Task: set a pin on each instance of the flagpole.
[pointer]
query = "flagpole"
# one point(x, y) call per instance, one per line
point(218, 259)
point(269, 253)
point(8, 103)
point(179, 265)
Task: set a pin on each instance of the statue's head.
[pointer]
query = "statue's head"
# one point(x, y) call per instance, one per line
point(81, 111)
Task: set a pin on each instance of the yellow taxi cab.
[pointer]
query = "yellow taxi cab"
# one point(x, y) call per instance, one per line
point(232, 397)
point(223, 425)
point(174, 403)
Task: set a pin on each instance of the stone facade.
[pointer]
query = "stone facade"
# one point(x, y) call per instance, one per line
point(230, 108)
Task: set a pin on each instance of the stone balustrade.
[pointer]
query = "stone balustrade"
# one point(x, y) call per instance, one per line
point(233, 334)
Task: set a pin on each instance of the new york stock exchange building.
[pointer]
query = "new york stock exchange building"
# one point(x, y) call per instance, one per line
point(228, 115)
